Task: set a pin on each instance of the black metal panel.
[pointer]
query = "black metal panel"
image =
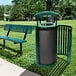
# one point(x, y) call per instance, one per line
point(47, 45)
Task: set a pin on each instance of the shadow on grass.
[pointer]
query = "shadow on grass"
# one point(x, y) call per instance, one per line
point(9, 48)
point(55, 70)
point(1, 26)
point(9, 53)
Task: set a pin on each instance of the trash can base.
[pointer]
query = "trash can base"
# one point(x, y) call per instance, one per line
point(46, 65)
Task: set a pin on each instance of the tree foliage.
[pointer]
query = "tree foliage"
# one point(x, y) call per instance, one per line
point(1, 12)
point(26, 8)
point(17, 11)
point(23, 9)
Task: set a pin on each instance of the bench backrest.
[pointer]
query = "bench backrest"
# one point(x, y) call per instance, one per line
point(19, 28)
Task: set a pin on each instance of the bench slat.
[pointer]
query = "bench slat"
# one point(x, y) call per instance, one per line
point(12, 39)
point(19, 28)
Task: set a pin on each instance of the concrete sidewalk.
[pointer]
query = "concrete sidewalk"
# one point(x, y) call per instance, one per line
point(9, 69)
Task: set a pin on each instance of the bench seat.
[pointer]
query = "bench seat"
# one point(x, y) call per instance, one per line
point(12, 39)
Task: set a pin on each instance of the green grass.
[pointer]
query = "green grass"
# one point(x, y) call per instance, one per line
point(18, 22)
point(28, 58)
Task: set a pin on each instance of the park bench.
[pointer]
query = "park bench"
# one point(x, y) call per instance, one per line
point(16, 28)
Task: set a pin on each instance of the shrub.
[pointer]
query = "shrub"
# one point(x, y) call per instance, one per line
point(70, 17)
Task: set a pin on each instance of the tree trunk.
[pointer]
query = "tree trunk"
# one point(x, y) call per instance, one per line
point(49, 5)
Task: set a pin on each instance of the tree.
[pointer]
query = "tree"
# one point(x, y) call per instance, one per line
point(52, 4)
point(7, 9)
point(1, 12)
point(67, 8)
point(26, 8)
point(17, 11)
point(23, 9)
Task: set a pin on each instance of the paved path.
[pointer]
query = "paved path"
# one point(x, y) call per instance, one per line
point(9, 69)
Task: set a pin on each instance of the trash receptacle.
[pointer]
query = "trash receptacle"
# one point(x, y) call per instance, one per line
point(46, 40)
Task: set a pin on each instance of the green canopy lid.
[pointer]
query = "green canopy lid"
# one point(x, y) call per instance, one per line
point(46, 14)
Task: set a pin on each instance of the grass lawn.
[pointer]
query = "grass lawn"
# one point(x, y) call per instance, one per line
point(28, 59)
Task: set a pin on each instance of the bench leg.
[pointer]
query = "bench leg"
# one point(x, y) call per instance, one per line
point(20, 49)
point(20, 52)
point(3, 44)
point(69, 57)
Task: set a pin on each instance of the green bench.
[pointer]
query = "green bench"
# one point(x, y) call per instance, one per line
point(16, 28)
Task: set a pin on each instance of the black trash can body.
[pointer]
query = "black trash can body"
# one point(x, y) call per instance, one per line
point(46, 45)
